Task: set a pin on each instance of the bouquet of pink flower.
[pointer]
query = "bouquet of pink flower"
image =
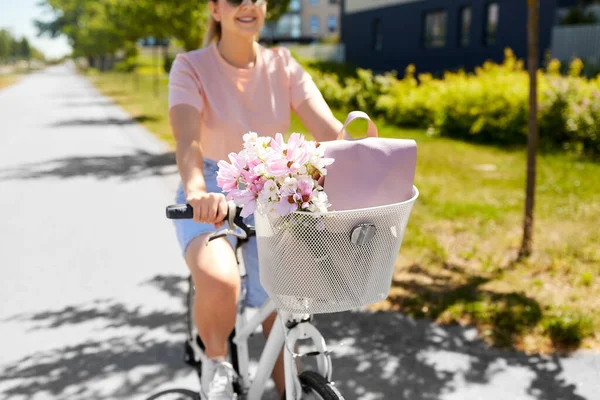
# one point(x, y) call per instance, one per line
point(277, 177)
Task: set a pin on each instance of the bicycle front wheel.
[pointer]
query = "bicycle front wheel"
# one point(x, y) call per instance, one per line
point(176, 394)
point(316, 387)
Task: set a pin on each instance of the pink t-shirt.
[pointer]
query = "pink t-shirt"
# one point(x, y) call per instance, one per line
point(233, 101)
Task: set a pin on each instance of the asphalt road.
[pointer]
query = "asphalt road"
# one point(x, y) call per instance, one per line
point(92, 283)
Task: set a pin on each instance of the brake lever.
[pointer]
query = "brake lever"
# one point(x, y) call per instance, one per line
point(232, 217)
point(225, 232)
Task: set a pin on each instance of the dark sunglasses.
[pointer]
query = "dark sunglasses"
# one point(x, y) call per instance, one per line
point(237, 3)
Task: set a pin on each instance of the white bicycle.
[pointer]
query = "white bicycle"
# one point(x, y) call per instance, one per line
point(309, 264)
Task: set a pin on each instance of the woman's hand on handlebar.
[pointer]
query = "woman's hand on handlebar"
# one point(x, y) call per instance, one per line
point(209, 208)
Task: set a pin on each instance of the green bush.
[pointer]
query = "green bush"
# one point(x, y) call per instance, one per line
point(330, 39)
point(568, 329)
point(489, 105)
point(332, 90)
point(570, 112)
point(168, 62)
point(127, 65)
point(130, 61)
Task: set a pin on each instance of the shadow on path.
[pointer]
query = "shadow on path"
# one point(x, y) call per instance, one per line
point(427, 294)
point(75, 104)
point(386, 355)
point(129, 166)
point(103, 121)
point(82, 91)
point(396, 357)
point(73, 370)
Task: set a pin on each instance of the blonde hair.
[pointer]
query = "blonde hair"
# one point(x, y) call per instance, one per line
point(213, 31)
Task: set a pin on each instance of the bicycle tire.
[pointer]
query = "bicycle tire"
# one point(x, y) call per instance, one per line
point(316, 386)
point(175, 394)
point(191, 329)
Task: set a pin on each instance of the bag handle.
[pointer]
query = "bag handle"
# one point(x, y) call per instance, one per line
point(371, 130)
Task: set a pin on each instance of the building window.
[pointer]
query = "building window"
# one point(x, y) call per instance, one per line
point(377, 35)
point(491, 25)
point(332, 23)
point(295, 26)
point(314, 24)
point(314, 2)
point(435, 28)
point(282, 29)
point(295, 5)
point(465, 26)
point(334, 1)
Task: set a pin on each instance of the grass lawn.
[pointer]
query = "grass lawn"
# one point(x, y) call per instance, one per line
point(457, 263)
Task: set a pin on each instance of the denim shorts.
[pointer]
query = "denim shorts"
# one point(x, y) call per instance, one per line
point(187, 230)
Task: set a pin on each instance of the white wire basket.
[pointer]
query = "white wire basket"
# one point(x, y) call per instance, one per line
point(330, 262)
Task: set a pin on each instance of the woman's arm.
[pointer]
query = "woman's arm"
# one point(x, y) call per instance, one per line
point(316, 115)
point(185, 123)
point(308, 102)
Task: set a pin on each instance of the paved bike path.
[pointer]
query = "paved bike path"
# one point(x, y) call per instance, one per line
point(92, 283)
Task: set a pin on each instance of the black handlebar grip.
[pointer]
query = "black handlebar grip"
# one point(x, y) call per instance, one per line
point(180, 211)
point(185, 211)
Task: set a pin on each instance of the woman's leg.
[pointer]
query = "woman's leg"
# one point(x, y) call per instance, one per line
point(217, 281)
point(216, 278)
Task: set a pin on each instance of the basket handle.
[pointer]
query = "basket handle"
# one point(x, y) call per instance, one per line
point(371, 130)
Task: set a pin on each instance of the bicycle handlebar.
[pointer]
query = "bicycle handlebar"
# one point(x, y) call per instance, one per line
point(234, 218)
point(180, 211)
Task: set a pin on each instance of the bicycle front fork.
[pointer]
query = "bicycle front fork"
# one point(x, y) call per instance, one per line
point(300, 331)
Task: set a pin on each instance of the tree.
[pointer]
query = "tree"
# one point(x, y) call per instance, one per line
point(25, 49)
point(533, 33)
point(276, 9)
point(90, 26)
point(182, 20)
point(15, 48)
point(99, 27)
point(5, 45)
point(37, 54)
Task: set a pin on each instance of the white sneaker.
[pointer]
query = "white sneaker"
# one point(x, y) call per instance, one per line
point(217, 381)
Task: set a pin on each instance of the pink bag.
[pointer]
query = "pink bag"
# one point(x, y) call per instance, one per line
point(369, 172)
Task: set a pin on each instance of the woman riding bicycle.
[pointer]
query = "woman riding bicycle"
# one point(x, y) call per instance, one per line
point(229, 87)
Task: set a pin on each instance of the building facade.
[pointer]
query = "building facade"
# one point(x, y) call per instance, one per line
point(438, 35)
point(321, 18)
point(305, 21)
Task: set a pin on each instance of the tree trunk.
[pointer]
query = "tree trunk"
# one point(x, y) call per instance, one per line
point(533, 136)
point(156, 69)
point(165, 56)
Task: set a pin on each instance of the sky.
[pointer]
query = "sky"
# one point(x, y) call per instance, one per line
point(17, 16)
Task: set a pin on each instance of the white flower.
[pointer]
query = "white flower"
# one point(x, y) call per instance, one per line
point(317, 158)
point(250, 139)
point(289, 186)
point(256, 147)
point(263, 149)
point(260, 170)
point(302, 170)
point(320, 203)
point(269, 193)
